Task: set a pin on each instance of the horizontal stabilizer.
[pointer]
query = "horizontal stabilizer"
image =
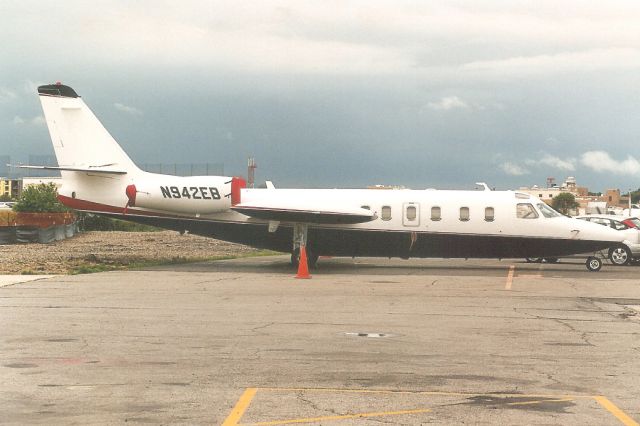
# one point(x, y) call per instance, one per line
point(89, 169)
point(304, 215)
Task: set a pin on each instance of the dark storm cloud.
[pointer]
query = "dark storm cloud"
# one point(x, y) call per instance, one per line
point(334, 94)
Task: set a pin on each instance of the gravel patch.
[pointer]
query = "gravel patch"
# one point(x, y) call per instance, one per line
point(113, 250)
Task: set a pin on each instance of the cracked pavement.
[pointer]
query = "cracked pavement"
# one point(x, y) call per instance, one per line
point(180, 344)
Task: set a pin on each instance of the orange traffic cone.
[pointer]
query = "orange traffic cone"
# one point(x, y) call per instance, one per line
point(303, 268)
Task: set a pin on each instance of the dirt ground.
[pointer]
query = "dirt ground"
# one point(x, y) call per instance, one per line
point(96, 251)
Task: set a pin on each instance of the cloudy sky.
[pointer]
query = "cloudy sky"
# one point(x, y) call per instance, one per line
point(341, 94)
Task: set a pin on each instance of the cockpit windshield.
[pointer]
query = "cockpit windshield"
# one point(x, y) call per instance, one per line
point(547, 211)
point(526, 211)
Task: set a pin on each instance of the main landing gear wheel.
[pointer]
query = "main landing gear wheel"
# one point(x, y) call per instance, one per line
point(551, 259)
point(620, 255)
point(593, 264)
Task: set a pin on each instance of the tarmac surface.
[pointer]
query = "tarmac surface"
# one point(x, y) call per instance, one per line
point(365, 341)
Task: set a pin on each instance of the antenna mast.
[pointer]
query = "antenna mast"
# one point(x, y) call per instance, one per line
point(251, 172)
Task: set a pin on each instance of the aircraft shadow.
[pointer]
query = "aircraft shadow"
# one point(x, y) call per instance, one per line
point(366, 266)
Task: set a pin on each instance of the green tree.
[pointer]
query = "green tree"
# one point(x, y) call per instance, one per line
point(40, 198)
point(564, 202)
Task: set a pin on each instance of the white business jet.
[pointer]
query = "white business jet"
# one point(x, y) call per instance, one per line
point(99, 177)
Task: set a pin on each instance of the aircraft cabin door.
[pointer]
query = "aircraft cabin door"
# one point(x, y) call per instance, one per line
point(411, 214)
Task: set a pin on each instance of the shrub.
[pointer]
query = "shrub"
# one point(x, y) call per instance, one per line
point(40, 198)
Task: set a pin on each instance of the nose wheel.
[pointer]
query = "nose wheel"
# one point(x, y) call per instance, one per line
point(593, 264)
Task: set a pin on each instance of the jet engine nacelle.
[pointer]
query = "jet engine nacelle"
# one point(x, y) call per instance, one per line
point(190, 195)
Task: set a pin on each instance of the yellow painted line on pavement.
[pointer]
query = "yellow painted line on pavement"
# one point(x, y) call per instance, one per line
point(343, 417)
point(512, 269)
point(611, 407)
point(240, 408)
point(249, 393)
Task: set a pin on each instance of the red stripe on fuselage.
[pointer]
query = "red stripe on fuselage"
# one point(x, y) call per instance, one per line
point(77, 204)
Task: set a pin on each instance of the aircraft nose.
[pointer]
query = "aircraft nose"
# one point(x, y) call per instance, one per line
point(597, 232)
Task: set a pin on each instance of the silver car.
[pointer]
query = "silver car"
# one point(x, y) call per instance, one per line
point(629, 249)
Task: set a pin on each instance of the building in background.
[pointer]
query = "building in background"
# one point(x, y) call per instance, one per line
point(552, 190)
point(610, 200)
point(10, 188)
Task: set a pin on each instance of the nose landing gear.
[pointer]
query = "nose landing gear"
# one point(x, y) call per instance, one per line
point(593, 264)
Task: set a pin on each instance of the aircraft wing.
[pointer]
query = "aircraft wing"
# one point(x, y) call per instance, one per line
point(89, 169)
point(288, 212)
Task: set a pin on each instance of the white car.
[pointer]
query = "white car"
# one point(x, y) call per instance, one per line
point(634, 211)
point(629, 249)
point(6, 204)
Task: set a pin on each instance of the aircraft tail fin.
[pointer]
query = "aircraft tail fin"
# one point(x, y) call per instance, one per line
point(79, 139)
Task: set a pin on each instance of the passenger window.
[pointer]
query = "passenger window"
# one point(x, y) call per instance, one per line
point(526, 211)
point(464, 214)
point(365, 207)
point(411, 213)
point(386, 213)
point(435, 213)
point(489, 214)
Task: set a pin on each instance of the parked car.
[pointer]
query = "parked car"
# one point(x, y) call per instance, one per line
point(634, 211)
point(6, 204)
point(629, 249)
point(632, 222)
